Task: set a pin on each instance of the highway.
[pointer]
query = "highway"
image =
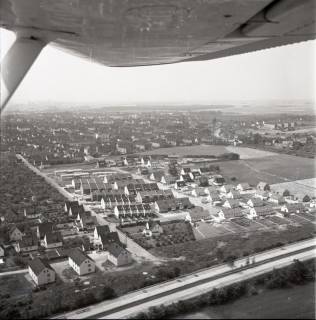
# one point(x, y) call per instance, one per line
point(196, 283)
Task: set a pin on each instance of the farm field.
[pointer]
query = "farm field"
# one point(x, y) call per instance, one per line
point(298, 187)
point(275, 169)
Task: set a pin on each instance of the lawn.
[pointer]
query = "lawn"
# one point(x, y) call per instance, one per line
point(15, 285)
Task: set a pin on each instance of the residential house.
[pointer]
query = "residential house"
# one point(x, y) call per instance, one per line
point(231, 203)
point(100, 231)
point(105, 239)
point(185, 171)
point(41, 272)
point(255, 202)
point(187, 178)
point(230, 213)
point(263, 195)
point(226, 188)
point(169, 180)
point(15, 234)
point(218, 180)
point(152, 228)
point(290, 208)
point(263, 186)
point(244, 186)
point(69, 204)
point(167, 205)
point(27, 243)
point(80, 262)
point(31, 213)
point(260, 212)
point(195, 216)
point(1, 251)
point(277, 199)
point(118, 255)
point(198, 192)
point(44, 228)
point(214, 198)
point(52, 240)
point(179, 185)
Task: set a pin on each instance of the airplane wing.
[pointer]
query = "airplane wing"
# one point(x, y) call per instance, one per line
point(126, 33)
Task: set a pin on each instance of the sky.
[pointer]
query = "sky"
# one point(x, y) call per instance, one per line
point(284, 73)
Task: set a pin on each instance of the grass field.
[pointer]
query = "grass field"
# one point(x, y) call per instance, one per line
point(295, 303)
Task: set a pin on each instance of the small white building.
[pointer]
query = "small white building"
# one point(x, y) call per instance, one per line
point(80, 262)
point(41, 272)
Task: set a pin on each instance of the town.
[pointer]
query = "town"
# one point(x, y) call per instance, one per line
point(127, 194)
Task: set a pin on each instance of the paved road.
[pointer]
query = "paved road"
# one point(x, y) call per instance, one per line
point(10, 273)
point(196, 283)
point(49, 180)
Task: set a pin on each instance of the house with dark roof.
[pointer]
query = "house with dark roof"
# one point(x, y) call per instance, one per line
point(105, 239)
point(255, 202)
point(27, 243)
point(52, 240)
point(81, 262)
point(41, 272)
point(44, 228)
point(118, 255)
point(99, 231)
point(230, 213)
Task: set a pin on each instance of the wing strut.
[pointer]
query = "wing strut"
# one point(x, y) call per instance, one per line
point(16, 64)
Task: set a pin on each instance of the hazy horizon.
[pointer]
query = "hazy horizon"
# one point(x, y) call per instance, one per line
point(278, 74)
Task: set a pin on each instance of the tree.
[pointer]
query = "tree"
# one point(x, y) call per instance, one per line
point(108, 293)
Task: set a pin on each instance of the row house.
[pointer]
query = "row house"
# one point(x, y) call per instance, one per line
point(133, 210)
point(110, 201)
point(133, 189)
